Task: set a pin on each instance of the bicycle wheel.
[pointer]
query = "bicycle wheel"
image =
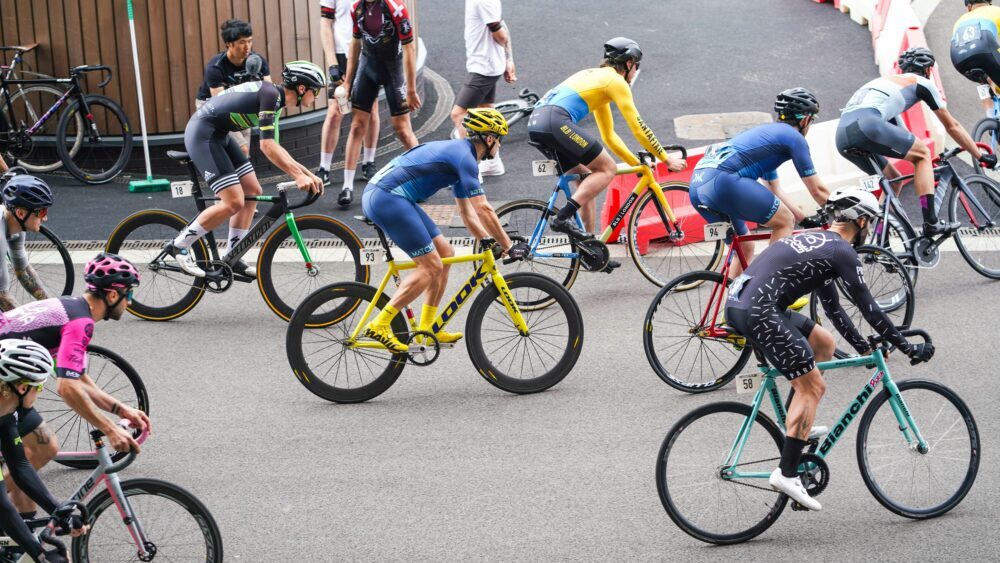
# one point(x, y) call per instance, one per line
point(691, 479)
point(888, 283)
point(519, 218)
point(285, 279)
point(172, 520)
point(987, 131)
point(51, 262)
point(321, 357)
point(113, 375)
point(29, 105)
point(659, 257)
point(165, 292)
point(95, 161)
point(910, 482)
point(528, 363)
point(899, 239)
point(978, 239)
point(677, 344)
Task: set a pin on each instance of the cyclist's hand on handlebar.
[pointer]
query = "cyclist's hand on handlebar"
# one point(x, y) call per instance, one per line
point(309, 182)
point(813, 222)
point(988, 160)
point(921, 353)
point(138, 418)
point(519, 251)
point(121, 440)
point(675, 164)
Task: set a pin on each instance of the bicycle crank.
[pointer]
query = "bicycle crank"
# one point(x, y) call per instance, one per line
point(424, 348)
point(20, 145)
point(594, 254)
point(926, 253)
point(815, 476)
point(219, 278)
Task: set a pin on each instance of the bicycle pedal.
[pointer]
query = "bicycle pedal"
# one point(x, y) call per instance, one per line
point(798, 507)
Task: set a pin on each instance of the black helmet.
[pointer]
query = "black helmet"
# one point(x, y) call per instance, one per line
point(971, 2)
point(916, 59)
point(621, 49)
point(28, 192)
point(796, 102)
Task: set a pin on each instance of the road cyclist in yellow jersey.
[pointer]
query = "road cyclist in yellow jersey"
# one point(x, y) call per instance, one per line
point(975, 48)
point(554, 126)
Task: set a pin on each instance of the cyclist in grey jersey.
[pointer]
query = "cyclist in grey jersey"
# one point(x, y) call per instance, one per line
point(26, 201)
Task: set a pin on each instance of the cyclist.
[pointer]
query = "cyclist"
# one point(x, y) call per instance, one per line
point(870, 124)
point(26, 202)
point(553, 124)
point(24, 368)
point(975, 51)
point(795, 266)
point(224, 166)
point(382, 54)
point(391, 198)
point(65, 326)
point(726, 178)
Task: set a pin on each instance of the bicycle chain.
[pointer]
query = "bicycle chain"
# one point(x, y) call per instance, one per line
point(769, 489)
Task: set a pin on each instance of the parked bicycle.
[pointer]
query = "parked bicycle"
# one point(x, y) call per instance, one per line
point(513, 110)
point(298, 256)
point(519, 352)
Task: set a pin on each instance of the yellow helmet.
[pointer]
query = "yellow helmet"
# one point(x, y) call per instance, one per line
point(485, 120)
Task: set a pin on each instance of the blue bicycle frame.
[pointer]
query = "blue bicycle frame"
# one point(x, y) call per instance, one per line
point(550, 208)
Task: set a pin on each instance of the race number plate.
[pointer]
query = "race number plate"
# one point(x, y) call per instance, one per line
point(543, 167)
point(716, 231)
point(984, 91)
point(371, 255)
point(747, 383)
point(871, 183)
point(181, 189)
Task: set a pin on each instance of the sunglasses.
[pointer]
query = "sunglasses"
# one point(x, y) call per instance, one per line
point(37, 387)
point(40, 213)
point(126, 294)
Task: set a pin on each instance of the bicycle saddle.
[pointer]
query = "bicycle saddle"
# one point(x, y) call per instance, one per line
point(724, 216)
point(179, 156)
point(549, 153)
point(365, 220)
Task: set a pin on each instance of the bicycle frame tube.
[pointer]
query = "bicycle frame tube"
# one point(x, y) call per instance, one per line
point(536, 236)
point(258, 229)
point(45, 117)
point(645, 181)
point(294, 228)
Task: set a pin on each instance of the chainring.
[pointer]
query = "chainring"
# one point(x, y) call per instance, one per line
point(926, 255)
point(422, 353)
point(20, 145)
point(594, 254)
point(219, 277)
point(817, 474)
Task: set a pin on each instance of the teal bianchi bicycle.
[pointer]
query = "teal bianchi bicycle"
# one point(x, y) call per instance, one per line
point(918, 451)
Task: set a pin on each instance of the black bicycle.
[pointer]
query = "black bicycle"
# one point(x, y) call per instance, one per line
point(513, 110)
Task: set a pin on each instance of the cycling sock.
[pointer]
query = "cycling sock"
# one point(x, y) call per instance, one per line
point(790, 454)
point(349, 178)
point(325, 159)
point(427, 315)
point(927, 208)
point(189, 235)
point(568, 210)
point(369, 155)
point(235, 236)
point(385, 316)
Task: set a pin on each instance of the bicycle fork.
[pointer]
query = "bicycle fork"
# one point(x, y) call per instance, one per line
point(293, 227)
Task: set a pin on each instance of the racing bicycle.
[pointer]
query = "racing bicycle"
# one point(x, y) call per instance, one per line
point(918, 451)
point(298, 256)
point(513, 110)
point(516, 351)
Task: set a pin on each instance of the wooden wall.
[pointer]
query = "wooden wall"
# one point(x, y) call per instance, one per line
point(175, 38)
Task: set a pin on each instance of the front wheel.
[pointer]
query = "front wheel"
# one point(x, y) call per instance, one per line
point(175, 525)
point(532, 362)
point(987, 131)
point(107, 140)
point(978, 237)
point(913, 480)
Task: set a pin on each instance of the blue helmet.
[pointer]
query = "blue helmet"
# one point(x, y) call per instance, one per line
point(28, 192)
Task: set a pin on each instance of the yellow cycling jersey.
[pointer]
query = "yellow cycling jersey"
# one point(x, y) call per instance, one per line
point(592, 91)
point(987, 18)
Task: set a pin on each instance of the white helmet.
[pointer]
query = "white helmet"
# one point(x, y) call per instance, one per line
point(852, 202)
point(24, 360)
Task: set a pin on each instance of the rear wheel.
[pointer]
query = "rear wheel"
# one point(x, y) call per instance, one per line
point(978, 239)
point(900, 238)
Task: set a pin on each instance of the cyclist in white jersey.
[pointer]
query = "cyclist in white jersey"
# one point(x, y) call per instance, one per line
point(26, 202)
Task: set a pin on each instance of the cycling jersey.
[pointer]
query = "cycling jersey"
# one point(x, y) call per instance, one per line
point(592, 91)
point(64, 325)
point(27, 480)
point(975, 51)
point(343, 29)
point(758, 152)
point(11, 247)
point(986, 18)
point(383, 26)
point(220, 72)
point(893, 95)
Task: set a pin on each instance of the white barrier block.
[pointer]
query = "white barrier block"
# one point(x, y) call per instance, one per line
point(898, 21)
point(859, 10)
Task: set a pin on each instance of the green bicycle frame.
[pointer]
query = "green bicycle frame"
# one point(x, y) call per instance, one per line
point(907, 426)
point(294, 229)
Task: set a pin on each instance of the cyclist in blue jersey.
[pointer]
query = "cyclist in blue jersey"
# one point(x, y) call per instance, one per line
point(391, 200)
point(726, 178)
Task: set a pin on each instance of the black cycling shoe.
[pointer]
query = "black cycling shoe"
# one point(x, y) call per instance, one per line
point(568, 227)
point(612, 266)
point(244, 269)
point(346, 196)
point(324, 175)
point(942, 227)
point(368, 170)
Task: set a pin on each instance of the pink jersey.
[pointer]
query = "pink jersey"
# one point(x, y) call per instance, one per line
point(61, 324)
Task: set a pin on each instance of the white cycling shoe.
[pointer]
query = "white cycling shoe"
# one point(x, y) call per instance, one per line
point(185, 259)
point(793, 487)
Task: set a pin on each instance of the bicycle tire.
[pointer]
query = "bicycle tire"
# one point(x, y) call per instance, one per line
point(711, 474)
point(893, 293)
point(305, 279)
point(698, 299)
point(48, 160)
point(123, 544)
point(864, 452)
point(359, 295)
point(154, 281)
point(501, 376)
point(71, 430)
point(56, 275)
point(989, 198)
point(89, 164)
point(987, 131)
point(899, 241)
point(684, 257)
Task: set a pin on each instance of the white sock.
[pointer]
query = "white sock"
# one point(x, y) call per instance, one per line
point(325, 159)
point(369, 155)
point(189, 235)
point(235, 236)
point(349, 178)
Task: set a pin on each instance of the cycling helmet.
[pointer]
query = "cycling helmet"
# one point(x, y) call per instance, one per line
point(303, 72)
point(796, 102)
point(916, 59)
point(621, 49)
point(110, 271)
point(24, 360)
point(485, 120)
point(852, 203)
point(971, 2)
point(28, 192)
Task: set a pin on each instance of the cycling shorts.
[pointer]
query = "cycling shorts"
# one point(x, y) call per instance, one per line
point(28, 420)
point(782, 336)
point(978, 60)
point(342, 65)
point(868, 131)
point(743, 199)
point(216, 155)
point(552, 127)
point(477, 90)
point(402, 220)
point(373, 73)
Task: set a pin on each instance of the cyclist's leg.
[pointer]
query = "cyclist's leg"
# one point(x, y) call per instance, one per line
point(742, 199)
point(364, 92)
point(40, 446)
point(391, 78)
point(240, 222)
point(210, 157)
point(371, 135)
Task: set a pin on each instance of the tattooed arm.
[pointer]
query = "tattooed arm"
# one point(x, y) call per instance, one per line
point(30, 282)
point(501, 34)
point(6, 301)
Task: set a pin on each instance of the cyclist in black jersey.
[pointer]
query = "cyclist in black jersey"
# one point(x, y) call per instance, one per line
point(790, 268)
point(223, 165)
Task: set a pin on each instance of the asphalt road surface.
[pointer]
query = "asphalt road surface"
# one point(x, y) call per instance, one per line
point(445, 467)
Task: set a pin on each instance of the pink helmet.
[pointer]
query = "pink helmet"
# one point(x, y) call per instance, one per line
point(110, 271)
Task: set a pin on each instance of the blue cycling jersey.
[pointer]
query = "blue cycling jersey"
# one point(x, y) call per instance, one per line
point(759, 152)
point(422, 171)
